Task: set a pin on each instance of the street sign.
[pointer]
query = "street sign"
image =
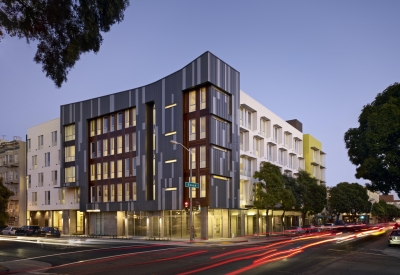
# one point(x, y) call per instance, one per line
point(191, 184)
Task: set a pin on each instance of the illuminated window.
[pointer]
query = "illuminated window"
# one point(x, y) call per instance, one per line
point(70, 174)
point(70, 153)
point(92, 128)
point(203, 98)
point(34, 198)
point(105, 147)
point(192, 129)
point(112, 169)
point(133, 141)
point(127, 191)
point(202, 156)
point(119, 192)
point(193, 158)
point(203, 187)
point(99, 126)
point(99, 171)
point(112, 146)
point(105, 193)
point(134, 191)
point(69, 132)
point(133, 111)
point(126, 143)
point(119, 144)
point(193, 179)
point(192, 101)
point(119, 168)
point(203, 127)
point(92, 171)
point(127, 119)
point(112, 192)
point(105, 170)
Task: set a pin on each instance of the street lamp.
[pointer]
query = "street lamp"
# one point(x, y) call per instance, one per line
point(173, 142)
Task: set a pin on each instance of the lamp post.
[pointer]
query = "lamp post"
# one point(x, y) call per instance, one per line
point(173, 142)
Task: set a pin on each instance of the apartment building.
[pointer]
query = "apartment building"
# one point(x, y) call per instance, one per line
point(48, 203)
point(315, 158)
point(12, 170)
point(132, 179)
point(265, 137)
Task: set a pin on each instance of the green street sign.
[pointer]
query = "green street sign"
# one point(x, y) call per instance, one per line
point(191, 184)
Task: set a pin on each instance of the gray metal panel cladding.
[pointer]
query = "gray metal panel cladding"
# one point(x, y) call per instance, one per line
point(205, 69)
point(219, 199)
point(219, 160)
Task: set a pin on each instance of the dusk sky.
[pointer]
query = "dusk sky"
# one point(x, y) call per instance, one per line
point(316, 61)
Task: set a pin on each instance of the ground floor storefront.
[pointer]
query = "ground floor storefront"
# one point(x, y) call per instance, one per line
point(70, 221)
point(207, 223)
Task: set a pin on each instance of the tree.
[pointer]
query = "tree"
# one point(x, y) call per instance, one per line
point(374, 147)
point(291, 197)
point(349, 198)
point(5, 194)
point(65, 29)
point(269, 190)
point(313, 195)
point(379, 211)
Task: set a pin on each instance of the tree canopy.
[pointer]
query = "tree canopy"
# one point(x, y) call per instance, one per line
point(349, 198)
point(64, 29)
point(5, 194)
point(374, 147)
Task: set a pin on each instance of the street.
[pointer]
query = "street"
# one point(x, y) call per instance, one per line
point(308, 254)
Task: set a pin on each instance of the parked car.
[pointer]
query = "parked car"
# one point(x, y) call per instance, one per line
point(49, 232)
point(2, 228)
point(28, 230)
point(394, 237)
point(9, 230)
point(310, 229)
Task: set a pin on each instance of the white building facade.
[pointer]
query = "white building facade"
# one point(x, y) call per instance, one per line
point(47, 203)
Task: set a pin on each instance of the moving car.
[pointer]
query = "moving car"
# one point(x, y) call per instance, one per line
point(394, 237)
point(9, 230)
point(396, 226)
point(28, 230)
point(294, 230)
point(49, 232)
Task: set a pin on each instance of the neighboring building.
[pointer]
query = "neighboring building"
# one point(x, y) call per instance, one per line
point(265, 137)
point(132, 180)
point(315, 158)
point(13, 172)
point(389, 199)
point(48, 203)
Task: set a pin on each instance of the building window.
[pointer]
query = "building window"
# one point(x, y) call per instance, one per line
point(119, 144)
point(192, 101)
point(202, 156)
point(126, 143)
point(112, 146)
point(77, 194)
point(119, 123)
point(127, 184)
point(59, 156)
point(70, 174)
point(127, 119)
point(133, 110)
point(69, 132)
point(119, 168)
point(99, 193)
point(119, 192)
point(105, 125)
point(92, 171)
point(92, 150)
point(112, 169)
point(34, 162)
point(40, 179)
point(105, 147)
point(98, 171)
point(92, 128)
point(70, 153)
point(263, 127)
point(34, 198)
point(112, 192)
point(192, 129)
point(99, 126)
point(61, 196)
point(54, 138)
point(54, 177)
point(99, 148)
point(133, 166)
point(29, 181)
point(203, 98)
point(105, 170)
point(29, 145)
point(92, 194)
point(105, 193)
point(193, 179)
point(203, 189)
point(203, 127)
point(40, 142)
point(112, 123)
point(133, 141)
point(127, 167)
point(134, 191)
point(193, 158)
point(275, 137)
point(47, 159)
point(46, 197)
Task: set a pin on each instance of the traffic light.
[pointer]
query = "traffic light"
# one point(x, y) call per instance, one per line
point(198, 207)
point(186, 206)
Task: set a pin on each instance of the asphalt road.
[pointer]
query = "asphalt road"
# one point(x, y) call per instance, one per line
point(308, 255)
